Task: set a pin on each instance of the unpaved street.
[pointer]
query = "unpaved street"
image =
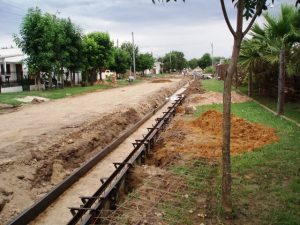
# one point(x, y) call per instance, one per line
point(43, 143)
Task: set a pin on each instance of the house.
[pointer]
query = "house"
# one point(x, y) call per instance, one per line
point(14, 72)
point(12, 69)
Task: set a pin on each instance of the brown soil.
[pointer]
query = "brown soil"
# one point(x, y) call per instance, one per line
point(41, 160)
point(202, 137)
point(160, 81)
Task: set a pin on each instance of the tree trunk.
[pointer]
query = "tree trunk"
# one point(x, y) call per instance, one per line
point(250, 85)
point(226, 179)
point(0, 83)
point(73, 78)
point(50, 80)
point(62, 78)
point(38, 79)
point(281, 83)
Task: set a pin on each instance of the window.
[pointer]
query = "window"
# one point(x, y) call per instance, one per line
point(7, 68)
point(2, 69)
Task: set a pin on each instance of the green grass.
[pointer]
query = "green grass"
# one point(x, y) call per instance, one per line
point(213, 85)
point(10, 98)
point(291, 109)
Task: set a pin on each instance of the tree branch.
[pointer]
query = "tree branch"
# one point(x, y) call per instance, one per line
point(226, 18)
point(252, 21)
point(240, 18)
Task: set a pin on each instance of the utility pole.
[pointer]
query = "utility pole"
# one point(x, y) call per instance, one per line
point(133, 54)
point(117, 43)
point(170, 62)
point(212, 55)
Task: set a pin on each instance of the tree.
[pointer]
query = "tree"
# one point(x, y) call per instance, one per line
point(278, 36)
point(249, 9)
point(193, 63)
point(174, 60)
point(145, 61)
point(205, 61)
point(105, 51)
point(128, 47)
point(74, 48)
point(250, 56)
point(97, 53)
point(37, 35)
point(121, 61)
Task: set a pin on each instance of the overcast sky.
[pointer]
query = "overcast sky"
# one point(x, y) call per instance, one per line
point(189, 27)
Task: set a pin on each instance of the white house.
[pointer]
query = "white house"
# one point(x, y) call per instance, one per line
point(13, 69)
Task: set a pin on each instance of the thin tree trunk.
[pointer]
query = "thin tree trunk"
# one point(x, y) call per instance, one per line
point(281, 83)
point(50, 80)
point(226, 179)
point(226, 164)
point(73, 78)
point(0, 83)
point(38, 79)
point(250, 85)
point(62, 78)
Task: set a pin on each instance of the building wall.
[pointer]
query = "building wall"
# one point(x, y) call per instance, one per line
point(13, 74)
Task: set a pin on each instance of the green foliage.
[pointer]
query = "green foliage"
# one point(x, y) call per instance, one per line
point(193, 63)
point(97, 54)
point(174, 60)
point(209, 69)
point(145, 61)
point(50, 43)
point(278, 32)
point(205, 61)
point(121, 62)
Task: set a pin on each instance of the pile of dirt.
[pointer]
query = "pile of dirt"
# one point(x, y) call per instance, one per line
point(214, 98)
point(202, 137)
point(194, 88)
point(32, 99)
point(161, 81)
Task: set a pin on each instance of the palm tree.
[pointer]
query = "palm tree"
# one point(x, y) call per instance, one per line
point(278, 36)
point(250, 56)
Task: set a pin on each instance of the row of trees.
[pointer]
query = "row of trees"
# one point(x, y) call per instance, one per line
point(54, 45)
point(204, 61)
point(273, 52)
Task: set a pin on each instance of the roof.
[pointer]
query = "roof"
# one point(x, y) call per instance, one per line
point(11, 52)
point(15, 59)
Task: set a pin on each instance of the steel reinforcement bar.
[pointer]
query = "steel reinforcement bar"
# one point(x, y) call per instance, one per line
point(108, 193)
point(33, 211)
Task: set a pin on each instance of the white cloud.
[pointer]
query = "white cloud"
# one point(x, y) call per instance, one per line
point(189, 27)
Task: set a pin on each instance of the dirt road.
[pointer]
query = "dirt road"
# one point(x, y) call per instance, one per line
point(41, 144)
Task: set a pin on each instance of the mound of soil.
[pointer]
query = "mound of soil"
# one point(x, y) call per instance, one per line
point(161, 81)
point(202, 137)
